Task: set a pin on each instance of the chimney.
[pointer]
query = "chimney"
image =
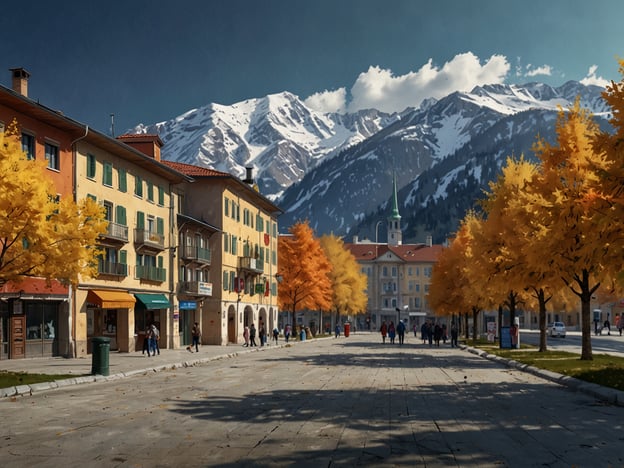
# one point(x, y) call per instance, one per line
point(146, 143)
point(429, 241)
point(20, 81)
point(249, 177)
point(356, 239)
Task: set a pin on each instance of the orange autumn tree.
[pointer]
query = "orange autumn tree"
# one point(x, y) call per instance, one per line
point(348, 282)
point(305, 270)
point(40, 236)
point(567, 236)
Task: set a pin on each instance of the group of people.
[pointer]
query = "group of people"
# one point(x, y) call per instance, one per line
point(392, 331)
point(150, 342)
point(430, 333)
point(249, 335)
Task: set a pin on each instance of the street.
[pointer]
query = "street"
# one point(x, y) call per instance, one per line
point(601, 344)
point(347, 401)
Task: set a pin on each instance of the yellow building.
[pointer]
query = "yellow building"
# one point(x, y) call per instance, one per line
point(136, 273)
point(243, 266)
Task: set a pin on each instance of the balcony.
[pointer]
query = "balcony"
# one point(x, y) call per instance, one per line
point(196, 254)
point(251, 265)
point(116, 232)
point(148, 240)
point(151, 273)
point(195, 288)
point(113, 269)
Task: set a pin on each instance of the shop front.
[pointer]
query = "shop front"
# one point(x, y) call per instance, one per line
point(186, 319)
point(108, 316)
point(151, 309)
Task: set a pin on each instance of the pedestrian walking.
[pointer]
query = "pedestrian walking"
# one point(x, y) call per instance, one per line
point(287, 332)
point(384, 331)
point(513, 331)
point(620, 324)
point(337, 331)
point(391, 332)
point(437, 334)
point(146, 341)
point(415, 331)
point(246, 335)
point(607, 325)
point(275, 334)
point(252, 335)
point(196, 334)
point(154, 339)
point(444, 333)
point(424, 332)
point(262, 335)
point(430, 333)
point(454, 335)
point(401, 332)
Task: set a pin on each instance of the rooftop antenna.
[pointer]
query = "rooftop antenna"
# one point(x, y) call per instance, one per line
point(112, 129)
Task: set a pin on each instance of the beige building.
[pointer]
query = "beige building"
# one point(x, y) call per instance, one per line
point(240, 230)
point(398, 275)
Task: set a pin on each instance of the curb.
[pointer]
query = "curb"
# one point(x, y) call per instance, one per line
point(606, 394)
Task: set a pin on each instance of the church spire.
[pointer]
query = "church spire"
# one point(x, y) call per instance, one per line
point(394, 220)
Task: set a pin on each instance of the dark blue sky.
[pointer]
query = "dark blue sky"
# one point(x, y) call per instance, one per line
point(149, 61)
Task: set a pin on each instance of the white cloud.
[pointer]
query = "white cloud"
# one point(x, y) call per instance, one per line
point(592, 79)
point(380, 89)
point(328, 101)
point(543, 70)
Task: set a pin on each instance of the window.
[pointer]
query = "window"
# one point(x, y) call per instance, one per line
point(28, 145)
point(234, 246)
point(394, 271)
point(227, 206)
point(52, 156)
point(108, 211)
point(107, 175)
point(226, 284)
point(121, 215)
point(90, 166)
point(226, 242)
point(138, 186)
point(427, 272)
point(122, 176)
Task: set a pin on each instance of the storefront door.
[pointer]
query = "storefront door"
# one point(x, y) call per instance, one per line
point(41, 328)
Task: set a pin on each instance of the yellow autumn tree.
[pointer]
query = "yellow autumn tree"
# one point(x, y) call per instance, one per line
point(40, 236)
point(348, 282)
point(305, 271)
point(567, 237)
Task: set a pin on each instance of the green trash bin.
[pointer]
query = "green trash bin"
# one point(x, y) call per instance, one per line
point(99, 356)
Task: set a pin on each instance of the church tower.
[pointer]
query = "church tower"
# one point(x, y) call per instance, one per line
point(394, 220)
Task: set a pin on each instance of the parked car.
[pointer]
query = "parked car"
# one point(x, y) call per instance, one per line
point(557, 329)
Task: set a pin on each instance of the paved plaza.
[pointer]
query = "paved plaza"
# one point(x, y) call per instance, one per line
point(321, 403)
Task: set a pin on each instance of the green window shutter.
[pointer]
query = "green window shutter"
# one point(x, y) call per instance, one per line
point(226, 242)
point(123, 257)
point(150, 191)
point(138, 186)
point(121, 215)
point(91, 166)
point(227, 206)
point(234, 245)
point(107, 174)
point(160, 262)
point(160, 226)
point(140, 220)
point(161, 196)
point(226, 286)
point(123, 180)
point(92, 197)
point(232, 280)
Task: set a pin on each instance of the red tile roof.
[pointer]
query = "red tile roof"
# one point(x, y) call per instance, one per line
point(195, 171)
point(406, 252)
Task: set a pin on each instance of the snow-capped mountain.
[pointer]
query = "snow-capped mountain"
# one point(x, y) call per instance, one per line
point(336, 170)
point(277, 135)
point(442, 155)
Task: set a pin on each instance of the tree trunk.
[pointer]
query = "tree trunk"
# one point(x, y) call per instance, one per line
point(475, 316)
point(586, 346)
point(541, 297)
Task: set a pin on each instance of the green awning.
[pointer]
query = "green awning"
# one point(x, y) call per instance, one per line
point(153, 301)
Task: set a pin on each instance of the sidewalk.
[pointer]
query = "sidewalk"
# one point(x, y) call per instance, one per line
point(120, 365)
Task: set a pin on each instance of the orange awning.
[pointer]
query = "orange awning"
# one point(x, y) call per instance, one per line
point(111, 299)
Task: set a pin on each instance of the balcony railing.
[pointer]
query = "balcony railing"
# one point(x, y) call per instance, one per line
point(197, 254)
point(151, 273)
point(116, 232)
point(196, 288)
point(252, 265)
point(110, 268)
point(149, 239)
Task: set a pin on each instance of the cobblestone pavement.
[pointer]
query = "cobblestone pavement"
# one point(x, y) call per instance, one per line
point(332, 402)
